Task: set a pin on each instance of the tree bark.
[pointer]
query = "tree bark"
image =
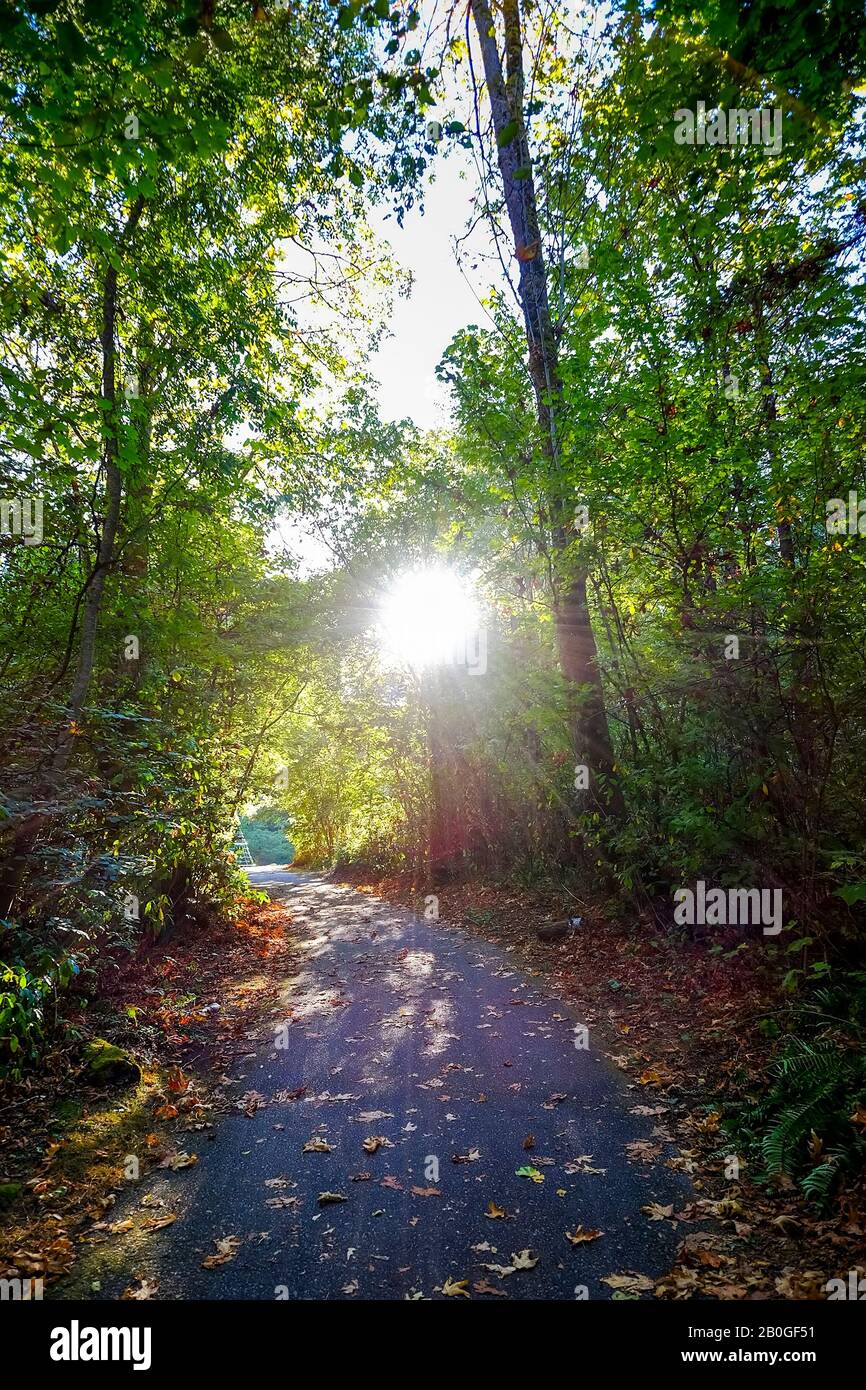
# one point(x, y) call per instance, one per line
point(575, 638)
point(770, 415)
point(113, 496)
point(439, 846)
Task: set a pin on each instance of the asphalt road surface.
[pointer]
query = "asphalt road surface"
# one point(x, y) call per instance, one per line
point(420, 1034)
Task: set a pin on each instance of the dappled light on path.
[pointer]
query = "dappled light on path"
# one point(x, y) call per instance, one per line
point(414, 1082)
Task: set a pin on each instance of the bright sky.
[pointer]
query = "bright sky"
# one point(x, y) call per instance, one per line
point(441, 301)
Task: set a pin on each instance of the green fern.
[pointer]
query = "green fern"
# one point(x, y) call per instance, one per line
point(817, 1081)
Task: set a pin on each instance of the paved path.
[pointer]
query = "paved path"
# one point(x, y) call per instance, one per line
point(419, 1033)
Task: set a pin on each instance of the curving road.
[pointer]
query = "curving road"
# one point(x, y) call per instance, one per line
point(422, 1035)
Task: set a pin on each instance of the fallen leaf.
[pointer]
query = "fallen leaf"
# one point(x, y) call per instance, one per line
point(655, 1212)
point(525, 1260)
point(581, 1165)
point(629, 1283)
point(250, 1102)
point(58, 1258)
point(146, 1289)
point(552, 1101)
point(178, 1161)
point(580, 1237)
point(227, 1248)
point(708, 1258)
point(531, 1173)
point(156, 1223)
point(483, 1287)
point(642, 1151)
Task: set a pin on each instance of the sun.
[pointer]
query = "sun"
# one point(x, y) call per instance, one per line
point(429, 617)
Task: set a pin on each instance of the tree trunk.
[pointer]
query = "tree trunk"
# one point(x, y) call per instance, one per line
point(439, 847)
point(113, 496)
point(769, 414)
point(575, 639)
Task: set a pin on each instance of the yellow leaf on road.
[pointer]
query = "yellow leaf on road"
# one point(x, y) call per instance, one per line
point(376, 1141)
point(629, 1283)
point(580, 1237)
point(227, 1248)
point(655, 1212)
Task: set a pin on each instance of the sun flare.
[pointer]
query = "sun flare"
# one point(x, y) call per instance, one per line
point(429, 617)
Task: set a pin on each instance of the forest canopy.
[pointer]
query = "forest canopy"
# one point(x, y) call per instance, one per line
point(642, 521)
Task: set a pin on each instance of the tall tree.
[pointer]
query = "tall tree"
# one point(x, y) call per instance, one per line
point(503, 59)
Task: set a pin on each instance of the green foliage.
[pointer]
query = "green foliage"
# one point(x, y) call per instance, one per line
point(711, 352)
point(171, 175)
point(810, 1123)
point(25, 999)
point(813, 51)
point(190, 295)
point(265, 834)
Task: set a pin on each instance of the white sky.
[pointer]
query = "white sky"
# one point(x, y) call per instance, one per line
point(441, 301)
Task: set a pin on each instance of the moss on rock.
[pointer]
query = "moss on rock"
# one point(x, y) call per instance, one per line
point(105, 1064)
